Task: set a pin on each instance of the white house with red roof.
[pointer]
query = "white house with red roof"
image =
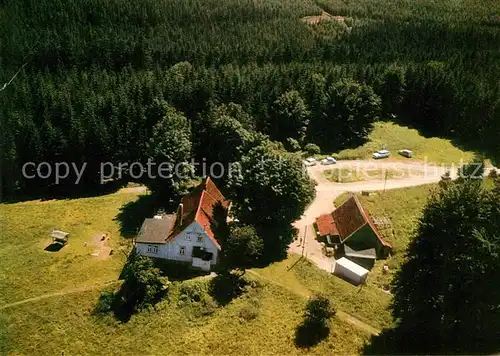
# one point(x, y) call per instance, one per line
point(187, 236)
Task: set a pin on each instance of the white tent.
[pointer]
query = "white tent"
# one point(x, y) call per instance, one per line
point(350, 270)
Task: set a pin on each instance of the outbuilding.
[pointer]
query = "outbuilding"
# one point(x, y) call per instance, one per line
point(350, 271)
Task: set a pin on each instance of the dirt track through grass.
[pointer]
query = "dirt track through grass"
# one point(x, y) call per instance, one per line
point(341, 314)
point(60, 293)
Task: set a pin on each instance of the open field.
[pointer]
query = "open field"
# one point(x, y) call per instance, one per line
point(64, 286)
point(28, 270)
point(66, 323)
point(395, 137)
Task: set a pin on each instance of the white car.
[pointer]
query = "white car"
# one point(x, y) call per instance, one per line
point(381, 154)
point(328, 160)
point(406, 153)
point(311, 161)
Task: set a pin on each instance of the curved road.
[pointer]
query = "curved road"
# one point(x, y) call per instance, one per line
point(408, 175)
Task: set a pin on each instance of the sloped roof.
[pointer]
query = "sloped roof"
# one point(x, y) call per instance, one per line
point(156, 230)
point(368, 253)
point(199, 206)
point(326, 225)
point(351, 216)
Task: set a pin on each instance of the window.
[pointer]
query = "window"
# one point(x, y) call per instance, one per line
point(182, 251)
point(152, 248)
point(188, 236)
point(200, 238)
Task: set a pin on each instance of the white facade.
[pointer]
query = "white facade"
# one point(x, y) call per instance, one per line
point(181, 247)
point(350, 270)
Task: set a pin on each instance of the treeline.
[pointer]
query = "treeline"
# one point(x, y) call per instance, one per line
point(96, 71)
point(99, 116)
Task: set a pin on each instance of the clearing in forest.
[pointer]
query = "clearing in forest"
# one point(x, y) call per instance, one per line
point(325, 16)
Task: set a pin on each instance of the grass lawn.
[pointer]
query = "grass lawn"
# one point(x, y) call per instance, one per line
point(395, 138)
point(367, 303)
point(349, 175)
point(27, 270)
point(67, 324)
point(403, 207)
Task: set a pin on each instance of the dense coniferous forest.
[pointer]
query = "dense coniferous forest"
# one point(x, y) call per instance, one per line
point(94, 72)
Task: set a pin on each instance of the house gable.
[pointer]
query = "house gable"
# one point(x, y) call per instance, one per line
point(357, 229)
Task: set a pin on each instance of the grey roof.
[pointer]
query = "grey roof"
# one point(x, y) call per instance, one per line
point(156, 230)
point(57, 234)
point(369, 253)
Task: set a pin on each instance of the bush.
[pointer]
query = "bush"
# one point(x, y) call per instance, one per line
point(319, 310)
point(292, 144)
point(493, 174)
point(314, 328)
point(227, 286)
point(312, 149)
point(193, 291)
point(143, 287)
point(249, 313)
point(105, 302)
point(208, 305)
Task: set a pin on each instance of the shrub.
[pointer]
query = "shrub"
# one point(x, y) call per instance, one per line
point(312, 149)
point(208, 305)
point(227, 286)
point(493, 174)
point(292, 144)
point(105, 302)
point(193, 291)
point(319, 310)
point(249, 313)
point(314, 328)
point(142, 288)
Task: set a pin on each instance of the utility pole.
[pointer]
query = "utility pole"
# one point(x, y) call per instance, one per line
point(385, 180)
point(304, 242)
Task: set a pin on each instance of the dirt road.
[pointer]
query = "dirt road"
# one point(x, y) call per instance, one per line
point(414, 174)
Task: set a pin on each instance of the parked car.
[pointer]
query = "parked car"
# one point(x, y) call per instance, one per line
point(406, 153)
point(328, 160)
point(311, 161)
point(381, 154)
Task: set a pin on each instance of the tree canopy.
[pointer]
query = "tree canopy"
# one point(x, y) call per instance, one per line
point(444, 299)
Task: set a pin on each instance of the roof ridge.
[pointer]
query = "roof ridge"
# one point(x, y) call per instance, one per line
point(360, 208)
point(199, 207)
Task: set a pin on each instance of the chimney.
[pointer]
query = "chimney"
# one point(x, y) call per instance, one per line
point(180, 212)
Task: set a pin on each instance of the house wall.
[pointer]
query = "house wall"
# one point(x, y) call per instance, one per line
point(366, 238)
point(187, 239)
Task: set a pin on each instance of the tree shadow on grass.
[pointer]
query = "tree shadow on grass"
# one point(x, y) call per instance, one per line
point(177, 271)
point(68, 191)
point(227, 286)
point(309, 334)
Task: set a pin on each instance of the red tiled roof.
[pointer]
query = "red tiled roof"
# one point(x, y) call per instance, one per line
point(326, 225)
point(351, 216)
point(199, 206)
point(374, 228)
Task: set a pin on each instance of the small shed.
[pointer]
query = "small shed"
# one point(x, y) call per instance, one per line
point(351, 271)
point(59, 237)
point(327, 230)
